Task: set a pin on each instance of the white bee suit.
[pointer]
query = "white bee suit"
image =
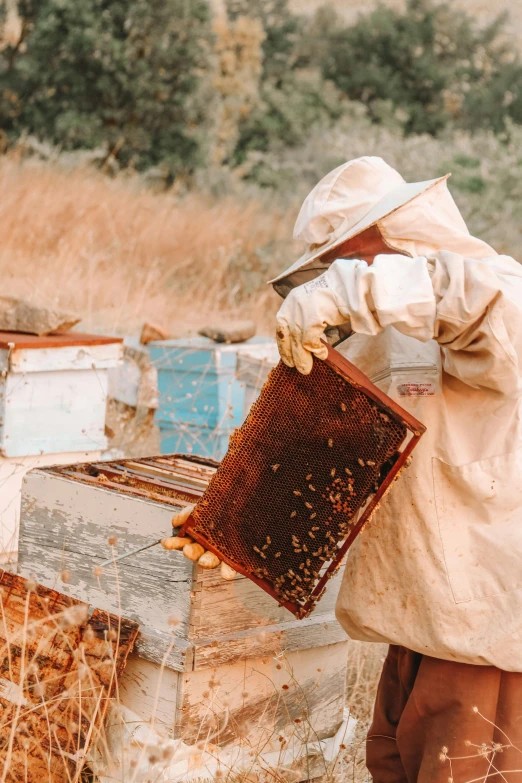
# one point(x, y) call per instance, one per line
point(439, 568)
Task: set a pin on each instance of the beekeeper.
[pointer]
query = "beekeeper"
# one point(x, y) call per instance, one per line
point(435, 317)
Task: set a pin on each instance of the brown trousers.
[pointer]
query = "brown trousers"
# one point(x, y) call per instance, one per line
point(438, 721)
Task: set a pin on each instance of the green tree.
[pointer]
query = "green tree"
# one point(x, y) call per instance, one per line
point(283, 31)
point(121, 73)
point(431, 63)
point(293, 95)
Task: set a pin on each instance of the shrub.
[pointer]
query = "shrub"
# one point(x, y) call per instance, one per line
point(293, 96)
point(431, 62)
point(121, 73)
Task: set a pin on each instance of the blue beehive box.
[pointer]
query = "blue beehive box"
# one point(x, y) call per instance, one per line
point(200, 398)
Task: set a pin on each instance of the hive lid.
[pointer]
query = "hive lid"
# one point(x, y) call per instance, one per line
point(302, 476)
point(29, 341)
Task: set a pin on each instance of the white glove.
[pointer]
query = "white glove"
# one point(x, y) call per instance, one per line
point(304, 315)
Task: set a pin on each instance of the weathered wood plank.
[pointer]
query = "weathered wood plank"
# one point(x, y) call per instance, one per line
point(48, 412)
point(260, 699)
point(170, 651)
point(222, 607)
point(150, 690)
point(312, 632)
point(62, 514)
point(59, 670)
point(77, 357)
point(138, 595)
point(12, 472)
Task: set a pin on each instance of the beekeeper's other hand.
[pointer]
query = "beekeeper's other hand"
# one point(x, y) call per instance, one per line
point(304, 315)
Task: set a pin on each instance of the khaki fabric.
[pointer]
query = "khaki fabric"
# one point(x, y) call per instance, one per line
point(436, 721)
point(439, 567)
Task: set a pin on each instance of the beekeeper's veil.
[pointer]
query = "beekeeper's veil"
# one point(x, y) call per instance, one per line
point(418, 218)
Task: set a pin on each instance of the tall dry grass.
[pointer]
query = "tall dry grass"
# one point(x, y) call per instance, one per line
point(118, 253)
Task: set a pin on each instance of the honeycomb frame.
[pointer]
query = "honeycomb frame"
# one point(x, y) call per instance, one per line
point(301, 478)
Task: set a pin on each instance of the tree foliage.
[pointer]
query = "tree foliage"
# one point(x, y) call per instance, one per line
point(431, 63)
point(121, 73)
point(162, 82)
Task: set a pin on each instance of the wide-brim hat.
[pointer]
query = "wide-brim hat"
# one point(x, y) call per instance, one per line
point(350, 199)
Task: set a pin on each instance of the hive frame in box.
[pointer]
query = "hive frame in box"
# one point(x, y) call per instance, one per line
point(358, 380)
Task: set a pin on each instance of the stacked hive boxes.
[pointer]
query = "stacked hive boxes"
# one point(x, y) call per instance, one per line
point(53, 395)
point(207, 649)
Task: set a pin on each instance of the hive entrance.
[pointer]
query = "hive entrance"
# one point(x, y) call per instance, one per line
point(286, 501)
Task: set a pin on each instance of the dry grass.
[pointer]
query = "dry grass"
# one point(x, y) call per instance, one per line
point(119, 254)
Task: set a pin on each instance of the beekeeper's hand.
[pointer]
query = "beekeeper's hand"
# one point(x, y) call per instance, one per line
point(304, 315)
point(192, 550)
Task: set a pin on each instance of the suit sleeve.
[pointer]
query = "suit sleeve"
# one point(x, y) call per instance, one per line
point(472, 308)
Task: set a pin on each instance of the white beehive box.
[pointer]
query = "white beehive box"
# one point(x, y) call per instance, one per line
point(135, 381)
point(252, 369)
point(53, 394)
point(206, 646)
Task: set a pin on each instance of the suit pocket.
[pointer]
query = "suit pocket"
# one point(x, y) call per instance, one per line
point(479, 510)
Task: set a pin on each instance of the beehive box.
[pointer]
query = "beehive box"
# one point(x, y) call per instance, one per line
point(53, 395)
point(200, 398)
point(205, 645)
point(54, 392)
point(252, 369)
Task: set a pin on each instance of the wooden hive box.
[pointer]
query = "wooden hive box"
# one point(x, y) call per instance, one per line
point(53, 396)
point(206, 647)
point(200, 398)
